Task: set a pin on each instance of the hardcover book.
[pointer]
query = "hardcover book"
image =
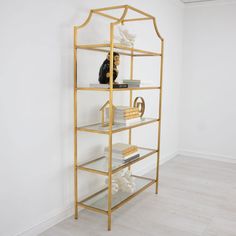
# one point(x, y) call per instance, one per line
point(108, 86)
point(122, 148)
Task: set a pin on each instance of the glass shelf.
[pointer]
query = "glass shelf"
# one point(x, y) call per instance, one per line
point(98, 128)
point(121, 49)
point(99, 201)
point(87, 88)
point(100, 165)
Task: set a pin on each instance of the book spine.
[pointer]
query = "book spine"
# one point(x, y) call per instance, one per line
point(134, 156)
point(126, 117)
point(126, 160)
point(122, 154)
point(133, 86)
point(127, 113)
point(127, 110)
point(126, 121)
point(132, 81)
point(120, 85)
point(132, 117)
point(130, 152)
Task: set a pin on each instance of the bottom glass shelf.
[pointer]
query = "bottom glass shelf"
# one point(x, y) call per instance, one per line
point(99, 200)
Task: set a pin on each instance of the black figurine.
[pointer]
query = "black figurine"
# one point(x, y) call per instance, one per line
point(104, 77)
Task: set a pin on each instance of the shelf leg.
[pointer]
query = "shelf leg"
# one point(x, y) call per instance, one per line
point(131, 93)
point(109, 181)
point(111, 115)
point(76, 204)
point(159, 123)
point(75, 128)
point(157, 174)
point(109, 222)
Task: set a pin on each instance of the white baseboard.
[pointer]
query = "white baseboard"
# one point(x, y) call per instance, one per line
point(209, 3)
point(52, 220)
point(209, 156)
point(151, 165)
point(168, 157)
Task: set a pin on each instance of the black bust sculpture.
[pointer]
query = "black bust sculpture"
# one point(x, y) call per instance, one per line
point(104, 76)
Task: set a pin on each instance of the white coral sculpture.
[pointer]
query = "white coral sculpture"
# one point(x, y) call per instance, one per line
point(123, 181)
point(125, 38)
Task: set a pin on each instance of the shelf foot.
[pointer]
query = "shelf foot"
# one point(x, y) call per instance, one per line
point(109, 222)
point(156, 191)
point(76, 213)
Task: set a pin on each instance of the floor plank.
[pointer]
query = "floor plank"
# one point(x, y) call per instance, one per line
point(196, 198)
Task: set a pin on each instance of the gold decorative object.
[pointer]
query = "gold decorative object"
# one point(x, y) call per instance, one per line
point(102, 110)
point(140, 104)
point(106, 193)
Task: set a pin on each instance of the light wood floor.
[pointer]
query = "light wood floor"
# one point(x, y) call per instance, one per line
point(196, 197)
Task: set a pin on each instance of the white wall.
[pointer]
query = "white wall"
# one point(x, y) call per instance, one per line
point(208, 110)
point(36, 104)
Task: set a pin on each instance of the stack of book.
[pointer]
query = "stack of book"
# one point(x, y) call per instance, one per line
point(123, 152)
point(135, 83)
point(132, 83)
point(125, 115)
point(107, 86)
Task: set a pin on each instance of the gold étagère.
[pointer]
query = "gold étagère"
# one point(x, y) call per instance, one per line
point(111, 203)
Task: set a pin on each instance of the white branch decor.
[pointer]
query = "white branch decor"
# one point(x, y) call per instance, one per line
point(125, 38)
point(122, 181)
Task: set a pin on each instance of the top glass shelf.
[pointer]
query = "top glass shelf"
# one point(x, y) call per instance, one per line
point(123, 50)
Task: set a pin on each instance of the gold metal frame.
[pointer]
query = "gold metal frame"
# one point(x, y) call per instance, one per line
point(132, 52)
